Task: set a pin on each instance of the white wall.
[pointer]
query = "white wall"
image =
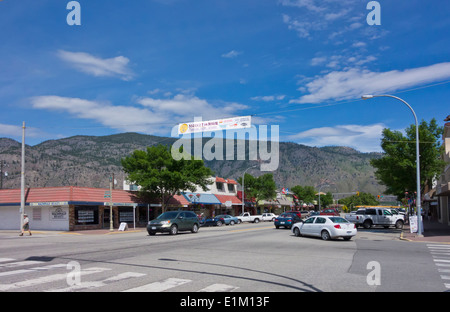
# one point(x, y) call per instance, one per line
point(49, 218)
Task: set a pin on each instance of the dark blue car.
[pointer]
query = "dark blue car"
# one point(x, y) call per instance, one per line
point(287, 220)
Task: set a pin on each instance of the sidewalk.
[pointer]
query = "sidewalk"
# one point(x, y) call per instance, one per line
point(433, 232)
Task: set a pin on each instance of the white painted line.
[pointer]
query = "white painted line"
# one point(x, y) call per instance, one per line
point(443, 264)
point(20, 263)
point(159, 286)
point(446, 277)
point(47, 279)
point(218, 288)
point(6, 259)
point(447, 285)
point(97, 284)
point(443, 270)
point(441, 260)
point(44, 268)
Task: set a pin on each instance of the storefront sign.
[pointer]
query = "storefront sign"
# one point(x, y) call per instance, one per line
point(58, 214)
point(413, 224)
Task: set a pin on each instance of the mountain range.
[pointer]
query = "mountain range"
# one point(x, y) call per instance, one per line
point(92, 160)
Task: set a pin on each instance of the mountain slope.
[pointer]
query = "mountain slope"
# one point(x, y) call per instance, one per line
point(91, 160)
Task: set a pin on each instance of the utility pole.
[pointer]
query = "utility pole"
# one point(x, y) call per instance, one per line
point(111, 221)
point(22, 179)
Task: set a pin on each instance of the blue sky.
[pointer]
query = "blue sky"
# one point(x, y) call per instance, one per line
point(146, 66)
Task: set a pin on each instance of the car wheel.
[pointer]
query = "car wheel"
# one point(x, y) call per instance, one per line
point(231, 222)
point(325, 235)
point(367, 224)
point(277, 226)
point(347, 238)
point(219, 223)
point(194, 228)
point(151, 233)
point(174, 230)
point(256, 220)
point(297, 232)
point(399, 224)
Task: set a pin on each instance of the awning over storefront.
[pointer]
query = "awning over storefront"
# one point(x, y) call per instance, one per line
point(226, 199)
point(201, 198)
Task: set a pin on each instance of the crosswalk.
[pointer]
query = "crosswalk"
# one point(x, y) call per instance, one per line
point(441, 258)
point(23, 275)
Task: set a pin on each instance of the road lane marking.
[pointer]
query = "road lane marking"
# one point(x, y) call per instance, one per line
point(159, 286)
point(218, 288)
point(47, 279)
point(97, 284)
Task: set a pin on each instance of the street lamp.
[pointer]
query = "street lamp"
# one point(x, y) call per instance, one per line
point(243, 196)
point(418, 200)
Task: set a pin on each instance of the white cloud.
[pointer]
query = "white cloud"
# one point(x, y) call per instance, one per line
point(269, 98)
point(155, 116)
point(362, 138)
point(92, 65)
point(354, 82)
point(231, 54)
point(15, 131)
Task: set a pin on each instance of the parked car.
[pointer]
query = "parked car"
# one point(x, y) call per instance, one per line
point(173, 222)
point(229, 220)
point(330, 212)
point(326, 227)
point(269, 216)
point(287, 220)
point(314, 213)
point(212, 221)
point(370, 216)
point(305, 214)
point(247, 217)
point(298, 213)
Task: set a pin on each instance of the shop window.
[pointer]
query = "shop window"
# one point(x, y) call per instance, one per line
point(85, 215)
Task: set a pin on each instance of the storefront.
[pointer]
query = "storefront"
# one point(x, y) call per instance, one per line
point(69, 208)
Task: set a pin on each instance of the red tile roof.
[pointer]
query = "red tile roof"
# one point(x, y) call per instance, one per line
point(66, 194)
point(224, 198)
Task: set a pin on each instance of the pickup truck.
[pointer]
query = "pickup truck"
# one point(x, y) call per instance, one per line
point(246, 217)
point(368, 217)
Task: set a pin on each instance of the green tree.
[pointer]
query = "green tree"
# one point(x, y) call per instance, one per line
point(306, 194)
point(162, 177)
point(325, 200)
point(363, 199)
point(397, 168)
point(260, 188)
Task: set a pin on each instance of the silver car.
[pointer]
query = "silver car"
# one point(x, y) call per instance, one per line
point(326, 227)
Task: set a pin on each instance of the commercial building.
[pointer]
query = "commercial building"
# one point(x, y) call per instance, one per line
point(443, 185)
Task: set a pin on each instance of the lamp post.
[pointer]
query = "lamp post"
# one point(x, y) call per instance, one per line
point(418, 200)
point(243, 196)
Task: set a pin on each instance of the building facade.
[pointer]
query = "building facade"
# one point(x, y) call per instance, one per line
point(443, 185)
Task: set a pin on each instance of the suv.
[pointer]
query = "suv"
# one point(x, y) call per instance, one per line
point(174, 221)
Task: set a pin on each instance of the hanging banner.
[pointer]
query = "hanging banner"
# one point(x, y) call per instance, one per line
point(215, 125)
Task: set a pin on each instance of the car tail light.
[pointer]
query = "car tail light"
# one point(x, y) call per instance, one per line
point(276, 220)
point(289, 220)
point(337, 226)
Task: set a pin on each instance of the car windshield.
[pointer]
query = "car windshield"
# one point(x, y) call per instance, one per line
point(338, 220)
point(286, 215)
point(168, 215)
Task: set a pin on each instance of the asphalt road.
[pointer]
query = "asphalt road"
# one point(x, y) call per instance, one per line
point(242, 258)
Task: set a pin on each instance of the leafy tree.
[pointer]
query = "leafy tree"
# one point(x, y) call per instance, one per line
point(307, 193)
point(162, 177)
point(325, 200)
point(362, 199)
point(260, 188)
point(397, 168)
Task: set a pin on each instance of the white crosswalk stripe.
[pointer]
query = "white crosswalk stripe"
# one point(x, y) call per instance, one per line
point(160, 286)
point(441, 258)
point(93, 279)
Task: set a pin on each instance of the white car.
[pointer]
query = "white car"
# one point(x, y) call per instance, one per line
point(269, 216)
point(327, 227)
